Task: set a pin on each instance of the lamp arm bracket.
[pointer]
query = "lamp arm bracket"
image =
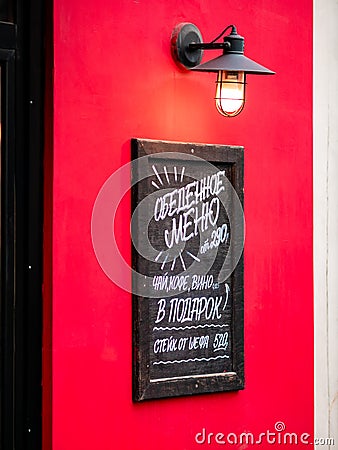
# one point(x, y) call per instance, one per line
point(209, 46)
point(187, 44)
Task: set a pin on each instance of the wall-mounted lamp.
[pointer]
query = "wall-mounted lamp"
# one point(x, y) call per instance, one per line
point(187, 50)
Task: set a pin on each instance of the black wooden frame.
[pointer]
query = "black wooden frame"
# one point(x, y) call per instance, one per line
point(143, 389)
point(22, 62)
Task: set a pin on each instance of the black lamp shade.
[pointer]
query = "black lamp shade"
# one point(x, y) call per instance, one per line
point(233, 62)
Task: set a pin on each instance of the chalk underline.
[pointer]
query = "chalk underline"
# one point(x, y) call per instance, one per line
point(189, 327)
point(179, 361)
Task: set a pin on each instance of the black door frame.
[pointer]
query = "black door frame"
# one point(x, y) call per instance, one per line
point(23, 79)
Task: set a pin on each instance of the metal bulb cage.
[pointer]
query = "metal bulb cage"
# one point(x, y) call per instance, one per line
point(187, 50)
point(226, 104)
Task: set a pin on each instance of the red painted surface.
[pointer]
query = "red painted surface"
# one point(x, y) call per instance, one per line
point(115, 79)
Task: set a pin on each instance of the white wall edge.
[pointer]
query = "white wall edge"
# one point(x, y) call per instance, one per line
point(325, 178)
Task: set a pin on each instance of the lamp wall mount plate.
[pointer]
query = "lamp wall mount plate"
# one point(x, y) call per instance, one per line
point(182, 36)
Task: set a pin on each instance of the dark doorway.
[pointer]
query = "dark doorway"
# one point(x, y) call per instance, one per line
point(21, 169)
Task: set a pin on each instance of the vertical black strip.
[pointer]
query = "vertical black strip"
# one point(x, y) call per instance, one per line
point(22, 224)
point(21, 244)
point(29, 168)
point(34, 192)
point(7, 246)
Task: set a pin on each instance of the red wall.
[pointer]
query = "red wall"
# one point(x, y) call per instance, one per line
point(114, 79)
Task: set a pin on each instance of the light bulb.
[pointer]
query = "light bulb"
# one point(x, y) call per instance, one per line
point(230, 93)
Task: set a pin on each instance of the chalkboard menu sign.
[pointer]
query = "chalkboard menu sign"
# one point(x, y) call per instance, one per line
point(187, 234)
